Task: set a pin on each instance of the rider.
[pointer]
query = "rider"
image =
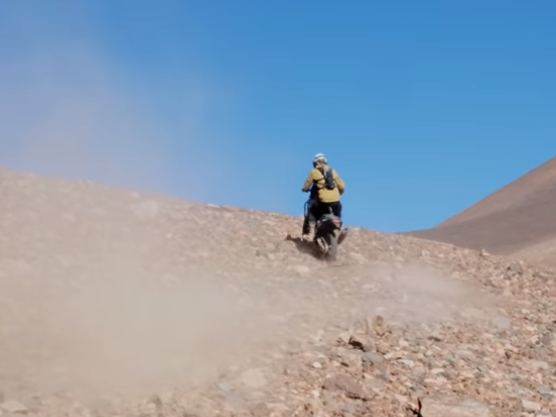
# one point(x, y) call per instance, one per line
point(321, 198)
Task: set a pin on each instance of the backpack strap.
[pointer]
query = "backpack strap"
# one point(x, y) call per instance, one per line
point(321, 170)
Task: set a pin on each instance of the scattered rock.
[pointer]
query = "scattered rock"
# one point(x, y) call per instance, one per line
point(430, 346)
point(408, 362)
point(435, 337)
point(378, 326)
point(344, 337)
point(530, 406)
point(360, 343)
point(260, 410)
point(516, 268)
point(14, 407)
point(455, 408)
point(544, 390)
point(345, 384)
point(373, 358)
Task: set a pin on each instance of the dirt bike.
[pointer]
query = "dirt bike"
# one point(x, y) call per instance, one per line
point(329, 234)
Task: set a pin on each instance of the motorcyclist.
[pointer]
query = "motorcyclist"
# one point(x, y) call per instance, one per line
point(321, 198)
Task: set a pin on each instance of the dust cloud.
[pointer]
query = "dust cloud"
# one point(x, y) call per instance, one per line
point(69, 108)
point(91, 128)
point(100, 317)
point(418, 293)
point(82, 308)
point(88, 314)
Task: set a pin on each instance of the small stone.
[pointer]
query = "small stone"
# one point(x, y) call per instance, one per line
point(13, 407)
point(435, 337)
point(401, 399)
point(345, 384)
point(403, 343)
point(373, 358)
point(383, 348)
point(260, 410)
point(530, 406)
point(378, 325)
point(407, 362)
point(483, 369)
point(393, 355)
point(344, 337)
point(543, 389)
point(360, 343)
point(537, 365)
point(455, 408)
point(516, 268)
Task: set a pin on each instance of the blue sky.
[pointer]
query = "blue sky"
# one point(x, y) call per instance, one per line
point(422, 107)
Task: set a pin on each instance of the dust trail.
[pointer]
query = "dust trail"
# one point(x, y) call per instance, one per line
point(69, 108)
point(417, 293)
point(81, 304)
point(119, 321)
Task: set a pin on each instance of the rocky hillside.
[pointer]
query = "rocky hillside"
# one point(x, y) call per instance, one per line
point(115, 303)
point(518, 219)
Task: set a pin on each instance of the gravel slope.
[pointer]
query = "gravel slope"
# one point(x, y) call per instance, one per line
point(115, 303)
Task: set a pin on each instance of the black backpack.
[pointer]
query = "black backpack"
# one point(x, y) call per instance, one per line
point(329, 182)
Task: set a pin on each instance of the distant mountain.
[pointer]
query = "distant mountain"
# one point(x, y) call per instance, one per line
point(518, 219)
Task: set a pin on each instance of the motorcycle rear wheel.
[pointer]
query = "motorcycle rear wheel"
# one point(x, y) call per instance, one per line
point(332, 252)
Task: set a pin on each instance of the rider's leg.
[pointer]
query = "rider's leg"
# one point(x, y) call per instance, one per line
point(318, 210)
point(306, 229)
point(309, 218)
point(337, 209)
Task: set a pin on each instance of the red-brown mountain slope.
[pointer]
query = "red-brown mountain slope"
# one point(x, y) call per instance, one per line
point(512, 220)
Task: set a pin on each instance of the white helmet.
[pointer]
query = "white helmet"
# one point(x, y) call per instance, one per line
point(319, 158)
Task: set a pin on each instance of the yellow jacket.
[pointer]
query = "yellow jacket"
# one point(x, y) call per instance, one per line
point(325, 195)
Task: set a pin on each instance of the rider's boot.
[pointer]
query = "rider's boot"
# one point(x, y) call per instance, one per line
point(306, 229)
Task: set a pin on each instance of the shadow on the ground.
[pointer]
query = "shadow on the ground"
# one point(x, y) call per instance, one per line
point(304, 246)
